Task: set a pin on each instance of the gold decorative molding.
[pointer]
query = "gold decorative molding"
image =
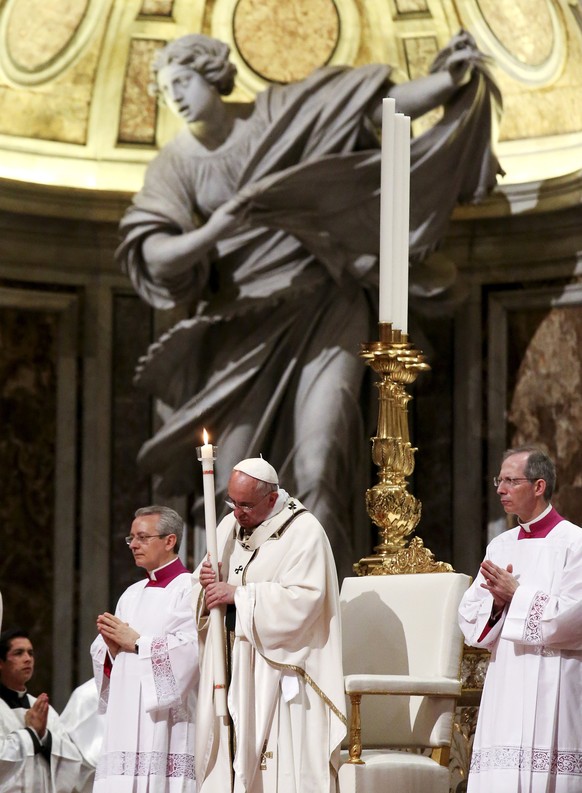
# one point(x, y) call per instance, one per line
point(62, 202)
point(544, 195)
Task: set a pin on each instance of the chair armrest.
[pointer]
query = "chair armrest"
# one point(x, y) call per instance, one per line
point(402, 684)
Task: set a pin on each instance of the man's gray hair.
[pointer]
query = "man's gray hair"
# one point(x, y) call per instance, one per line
point(538, 466)
point(262, 489)
point(169, 521)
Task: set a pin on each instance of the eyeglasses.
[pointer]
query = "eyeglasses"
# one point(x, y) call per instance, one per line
point(508, 481)
point(245, 507)
point(143, 539)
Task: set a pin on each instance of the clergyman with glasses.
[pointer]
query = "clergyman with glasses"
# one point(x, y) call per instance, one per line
point(286, 702)
point(145, 661)
point(525, 606)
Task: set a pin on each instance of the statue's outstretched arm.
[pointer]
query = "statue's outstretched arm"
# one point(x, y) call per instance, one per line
point(453, 68)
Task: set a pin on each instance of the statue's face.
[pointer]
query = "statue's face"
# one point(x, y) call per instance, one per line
point(186, 92)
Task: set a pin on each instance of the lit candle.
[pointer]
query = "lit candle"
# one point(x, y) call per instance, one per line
point(216, 627)
point(387, 209)
point(207, 450)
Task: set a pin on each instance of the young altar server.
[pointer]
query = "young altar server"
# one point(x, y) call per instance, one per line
point(36, 753)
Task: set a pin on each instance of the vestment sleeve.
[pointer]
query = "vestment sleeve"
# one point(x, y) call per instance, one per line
point(169, 662)
point(99, 655)
point(550, 618)
point(15, 747)
point(474, 613)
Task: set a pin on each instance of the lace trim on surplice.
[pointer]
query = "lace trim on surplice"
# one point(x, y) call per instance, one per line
point(548, 761)
point(134, 764)
point(532, 633)
point(164, 680)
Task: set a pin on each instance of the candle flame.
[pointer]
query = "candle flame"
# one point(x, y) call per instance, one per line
point(205, 436)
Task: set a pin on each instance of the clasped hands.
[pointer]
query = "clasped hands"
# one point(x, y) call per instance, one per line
point(500, 582)
point(216, 593)
point(118, 635)
point(37, 715)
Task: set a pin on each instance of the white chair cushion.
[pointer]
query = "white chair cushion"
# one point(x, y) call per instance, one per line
point(402, 684)
point(388, 771)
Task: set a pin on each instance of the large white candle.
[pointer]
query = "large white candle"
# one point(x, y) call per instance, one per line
point(216, 614)
point(386, 209)
point(401, 222)
point(405, 220)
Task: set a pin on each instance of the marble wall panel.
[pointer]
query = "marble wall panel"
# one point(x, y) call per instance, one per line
point(37, 32)
point(405, 7)
point(283, 42)
point(137, 120)
point(47, 93)
point(159, 8)
point(522, 27)
point(431, 420)
point(545, 395)
point(27, 449)
point(130, 427)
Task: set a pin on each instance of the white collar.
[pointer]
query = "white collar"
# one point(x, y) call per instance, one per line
point(152, 575)
point(282, 498)
point(527, 526)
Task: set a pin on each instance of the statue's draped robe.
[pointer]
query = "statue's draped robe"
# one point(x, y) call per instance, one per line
point(286, 694)
point(269, 361)
point(529, 732)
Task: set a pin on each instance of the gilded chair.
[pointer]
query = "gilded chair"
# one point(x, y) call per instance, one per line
point(402, 651)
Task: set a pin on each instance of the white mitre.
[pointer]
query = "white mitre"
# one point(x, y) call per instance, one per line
point(258, 469)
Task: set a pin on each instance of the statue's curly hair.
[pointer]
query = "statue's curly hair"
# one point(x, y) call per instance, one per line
point(207, 56)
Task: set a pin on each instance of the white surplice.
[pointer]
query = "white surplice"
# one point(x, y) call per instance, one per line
point(286, 696)
point(85, 726)
point(529, 731)
point(150, 698)
point(23, 771)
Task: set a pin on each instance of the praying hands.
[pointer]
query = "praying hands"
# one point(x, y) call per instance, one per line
point(117, 635)
point(499, 582)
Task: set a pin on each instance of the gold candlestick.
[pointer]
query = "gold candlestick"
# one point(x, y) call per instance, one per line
point(391, 507)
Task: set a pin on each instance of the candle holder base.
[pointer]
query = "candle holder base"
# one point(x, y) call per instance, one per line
point(391, 507)
point(415, 558)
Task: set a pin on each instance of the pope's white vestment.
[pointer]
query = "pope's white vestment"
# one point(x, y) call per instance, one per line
point(23, 771)
point(150, 697)
point(286, 695)
point(529, 731)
